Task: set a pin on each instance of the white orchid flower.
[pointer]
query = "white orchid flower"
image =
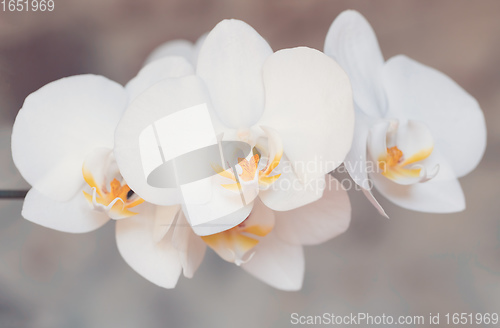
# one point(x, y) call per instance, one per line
point(292, 107)
point(62, 143)
point(268, 244)
point(416, 130)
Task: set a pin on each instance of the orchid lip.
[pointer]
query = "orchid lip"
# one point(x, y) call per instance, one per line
point(248, 172)
point(258, 167)
point(401, 151)
point(109, 192)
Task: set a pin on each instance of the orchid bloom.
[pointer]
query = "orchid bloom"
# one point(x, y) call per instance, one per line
point(268, 244)
point(62, 143)
point(416, 130)
point(293, 108)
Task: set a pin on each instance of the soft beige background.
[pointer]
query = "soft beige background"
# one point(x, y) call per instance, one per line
point(413, 264)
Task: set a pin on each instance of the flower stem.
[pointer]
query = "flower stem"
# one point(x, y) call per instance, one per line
point(13, 194)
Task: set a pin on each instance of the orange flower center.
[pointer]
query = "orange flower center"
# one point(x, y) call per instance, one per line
point(116, 201)
point(394, 155)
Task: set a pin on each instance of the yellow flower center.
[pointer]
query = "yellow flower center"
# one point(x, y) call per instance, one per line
point(393, 164)
point(234, 244)
point(249, 169)
point(116, 201)
point(394, 155)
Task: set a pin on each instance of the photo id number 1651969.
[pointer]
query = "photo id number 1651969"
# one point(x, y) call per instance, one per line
point(27, 5)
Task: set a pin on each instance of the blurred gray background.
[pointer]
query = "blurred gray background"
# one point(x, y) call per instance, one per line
point(412, 264)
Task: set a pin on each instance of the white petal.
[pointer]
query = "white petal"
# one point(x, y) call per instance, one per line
point(308, 96)
point(190, 246)
point(237, 245)
point(355, 161)
point(352, 42)
point(261, 216)
point(317, 222)
point(369, 195)
point(454, 118)
point(197, 47)
point(100, 166)
point(161, 100)
point(377, 137)
point(442, 194)
point(167, 67)
point(181, 48)
point(59, 125)
point(277, 263)
point(164, 220)
point(75, 215)
point(413, 137)
point(157, 262)
point(289, 192)
point(224, 210)
point(230, 62)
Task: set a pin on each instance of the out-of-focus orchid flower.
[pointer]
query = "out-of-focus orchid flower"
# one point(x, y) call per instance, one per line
point(416, 132)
